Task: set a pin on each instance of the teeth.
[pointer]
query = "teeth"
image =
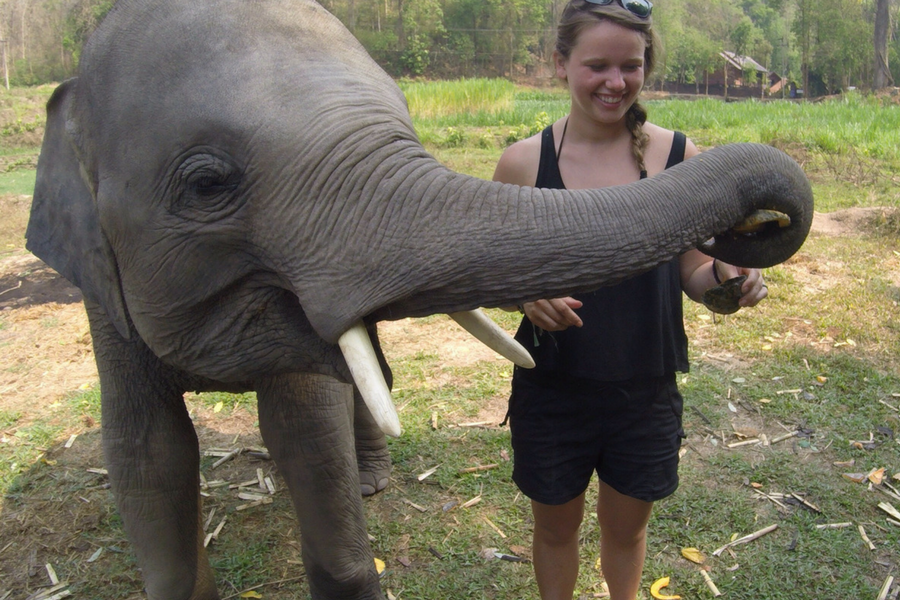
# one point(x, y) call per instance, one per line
point(489, 333)
point(360, 357)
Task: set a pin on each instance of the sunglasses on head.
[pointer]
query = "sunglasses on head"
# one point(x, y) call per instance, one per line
point(639, 8)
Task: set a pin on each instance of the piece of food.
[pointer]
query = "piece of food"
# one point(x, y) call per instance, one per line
point(657, 586)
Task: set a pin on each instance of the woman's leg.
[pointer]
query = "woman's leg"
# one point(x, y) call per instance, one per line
point(555, 547)
point(623, 542)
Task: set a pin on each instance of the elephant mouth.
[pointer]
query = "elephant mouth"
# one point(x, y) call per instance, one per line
point(363, 363)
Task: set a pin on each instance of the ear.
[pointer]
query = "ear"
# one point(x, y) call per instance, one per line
point(559, 62)
point(64, 227)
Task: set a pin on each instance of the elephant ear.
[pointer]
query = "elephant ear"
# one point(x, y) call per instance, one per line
point(64, 226)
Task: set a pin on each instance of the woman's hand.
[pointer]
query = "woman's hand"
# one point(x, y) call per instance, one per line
point(753, 289)
point(699, 273)
point(553, 315)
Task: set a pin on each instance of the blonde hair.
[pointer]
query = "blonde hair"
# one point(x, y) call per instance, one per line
point(577, 16)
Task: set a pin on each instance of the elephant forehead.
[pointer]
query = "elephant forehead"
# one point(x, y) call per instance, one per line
point(154, 47)
point(188, 76)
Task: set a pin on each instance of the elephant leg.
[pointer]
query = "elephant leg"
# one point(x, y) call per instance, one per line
point(151, 452)
point(372, 454)
point(307, 424)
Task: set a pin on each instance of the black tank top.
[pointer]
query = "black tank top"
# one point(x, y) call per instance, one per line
point(632, 329)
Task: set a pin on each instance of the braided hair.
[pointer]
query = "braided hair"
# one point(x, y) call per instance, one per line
point(577, 16)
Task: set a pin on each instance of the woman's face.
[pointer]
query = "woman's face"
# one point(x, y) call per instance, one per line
point(605, 71)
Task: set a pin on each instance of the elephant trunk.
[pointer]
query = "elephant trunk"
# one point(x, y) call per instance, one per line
point(445, 242)
point(547, 243)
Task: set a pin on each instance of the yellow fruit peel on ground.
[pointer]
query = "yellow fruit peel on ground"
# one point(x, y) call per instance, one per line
point(657, 586)
point(693, 555)
point(379, 565)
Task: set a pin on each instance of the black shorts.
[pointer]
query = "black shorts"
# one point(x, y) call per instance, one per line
point(563, 429)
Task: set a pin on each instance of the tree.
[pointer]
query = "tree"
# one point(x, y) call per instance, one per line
point(803, 30)
point(882, 33)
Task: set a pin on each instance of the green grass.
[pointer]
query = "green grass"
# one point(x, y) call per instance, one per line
point(19, 183)
point(846, 145)
point(434, 99)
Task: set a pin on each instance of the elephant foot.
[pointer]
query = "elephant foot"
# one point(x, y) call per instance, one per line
point(374, 471)
point(370, 483)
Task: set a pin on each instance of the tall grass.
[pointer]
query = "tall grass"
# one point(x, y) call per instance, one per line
point(430, 99)
point(846, 145)
point(851, 123)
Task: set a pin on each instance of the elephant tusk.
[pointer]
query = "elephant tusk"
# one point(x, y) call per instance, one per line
point(360, 356)
point(485, 330)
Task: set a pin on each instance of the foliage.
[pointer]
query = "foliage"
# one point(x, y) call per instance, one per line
point(83, 17)
point(414, 59)
point(826, 45)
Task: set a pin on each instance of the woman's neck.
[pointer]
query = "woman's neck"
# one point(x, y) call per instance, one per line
point(585, 130)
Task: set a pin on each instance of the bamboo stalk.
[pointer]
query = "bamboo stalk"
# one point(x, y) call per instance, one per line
point(806, 503)
point(885, 587)
point(264, 500)
point(862, 533)
point(479, 468)
point(226, 458)
point(747, 538)
point(494, 527)
point(751, 441)
point(781, 438)
point(51, 573)
point(710, 583)
point(472, 502)
point(833, 525)
point(889, 510)
point(414, 505)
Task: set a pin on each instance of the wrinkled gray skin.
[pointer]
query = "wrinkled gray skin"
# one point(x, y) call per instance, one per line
point(233, 183)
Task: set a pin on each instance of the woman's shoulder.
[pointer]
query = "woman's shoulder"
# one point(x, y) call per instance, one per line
point(519, 162)
point(661, 144)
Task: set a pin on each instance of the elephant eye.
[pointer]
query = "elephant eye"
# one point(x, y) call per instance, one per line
point(205, 186)
point(210, 184)
point(208, 176)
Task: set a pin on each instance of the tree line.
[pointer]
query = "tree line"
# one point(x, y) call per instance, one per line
point(823, 45)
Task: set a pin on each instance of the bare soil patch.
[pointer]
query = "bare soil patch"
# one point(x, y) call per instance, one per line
point(845, 222)
point(45, 339)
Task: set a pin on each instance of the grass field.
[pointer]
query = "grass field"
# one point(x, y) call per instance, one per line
point(791, 411)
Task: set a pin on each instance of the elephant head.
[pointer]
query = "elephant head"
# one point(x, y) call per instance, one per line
point(236, 186)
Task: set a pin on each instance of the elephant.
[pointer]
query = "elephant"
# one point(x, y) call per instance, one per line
point(238, 190)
